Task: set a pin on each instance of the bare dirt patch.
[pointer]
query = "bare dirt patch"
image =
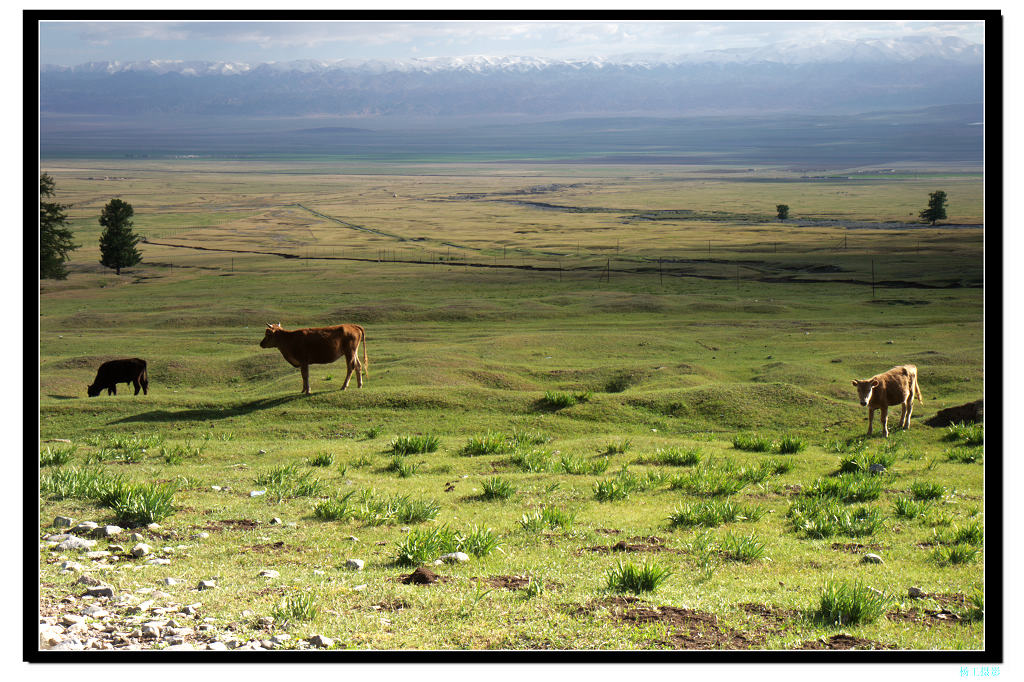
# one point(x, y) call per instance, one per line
point(513, 582)
point(926, 616)
point(632, 545)
point(608, 531)
point(776, 618)
point(423, 576)
point(853, 547)
point(231, 524)
point(271, 548)
point(690, 629)
point(844, 642)
point(390, 605)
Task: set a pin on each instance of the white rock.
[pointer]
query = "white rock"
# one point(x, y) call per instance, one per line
point(98, 554)
point(110, 531)
point(141, 549)
point(257, 493)
point(180, 647)
point(95, 612)
point(871, 559)
point(201, 535)
point(72, 566)
point(359, 588)
point(63, 522)
point(50, 636)
point(170, 581)
point(269, 573)
point(354, 564)
point(75, 543)
point(86, 526)
point(206, 585)
point(455, 557)
point(72, 619)
point(320, 641)
point(153, 526)
point(352, 538)
point(216, 646)
point(275, 521)
point(280, 638)
point(216, 487)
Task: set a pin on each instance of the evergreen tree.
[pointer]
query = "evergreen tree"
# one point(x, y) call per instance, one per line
point(936, 207)
point(782, 210)
point(117, 243)
point(55, 243)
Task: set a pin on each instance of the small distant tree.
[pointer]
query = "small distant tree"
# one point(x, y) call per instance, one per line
point(936, 207)
point(782, 210)
point(55, 243)
point(117, 243)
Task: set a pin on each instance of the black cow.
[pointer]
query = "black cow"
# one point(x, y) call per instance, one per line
point(129, 370)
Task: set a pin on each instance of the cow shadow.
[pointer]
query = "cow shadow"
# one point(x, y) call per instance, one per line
point(62, 397)
point(209, 413)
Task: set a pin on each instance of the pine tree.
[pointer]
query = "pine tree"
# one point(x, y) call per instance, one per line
point(55, 243)
point(936, 207)
point(117, 243)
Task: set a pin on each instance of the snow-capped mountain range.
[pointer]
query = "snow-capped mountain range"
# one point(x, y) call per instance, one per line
point(834, 76)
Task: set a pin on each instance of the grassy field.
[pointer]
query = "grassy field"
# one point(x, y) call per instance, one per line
point(610, 372)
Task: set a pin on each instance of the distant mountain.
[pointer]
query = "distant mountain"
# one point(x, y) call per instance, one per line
point(835, 76)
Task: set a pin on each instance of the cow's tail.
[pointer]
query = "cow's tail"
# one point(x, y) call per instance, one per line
point(366, 363)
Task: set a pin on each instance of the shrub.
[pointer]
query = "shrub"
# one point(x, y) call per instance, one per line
point(531, 462)
point(489, 444)
point(746, 548)
point(711, 513)
point(676, 456)
point(926, 490)
point(850, 603)
point(58, 456)
point(618, 384)
point(321, 459)
point(752, 442)
point(824, 517)
point(339, 509)
point(776, 467)
point(628, 577)
point(300, 606)
point(497, 488)
point(790, 445)
point(975, 607)
point(178, 453)
point(415, 445)
point(847, 487)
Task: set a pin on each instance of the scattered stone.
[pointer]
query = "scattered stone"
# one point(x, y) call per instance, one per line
point(915, 593)
point(153, 526)
point(136, 537)
point(405, 529)
point(354, 564)
point(95, 612)
point(50, 636)
point(877, 468)
point(265, 622)
point(59, 440)
point(157, 561)
point(317, 571)
point(878, 593)
point(180, 647)
point(72, 619)
point(151, 631)
point(100, 591)
point(72, 644)
point(190, 609)
point(275, 521)
point(86, 526)
point(141, 549)
point(216, 487)
point(88, 580)
point(320, 641)
point(216, 646)
point(269, 573)
point(205, 627)
point(280, 638)
point(110, 531)
point(359, 588)
point(72, 566)
point(455, 558)
point(266, 644)
point(63, 522)
point(116, 548)
point(170, 581)
point(352, 538)
point(75, 543)
point(98, 554)
point(257, 493)
point(871, 559)
point(206, 585)
point(263, 452)
point(201, 535)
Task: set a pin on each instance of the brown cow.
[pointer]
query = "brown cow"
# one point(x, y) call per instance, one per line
point(898, 386)
point(320, 345)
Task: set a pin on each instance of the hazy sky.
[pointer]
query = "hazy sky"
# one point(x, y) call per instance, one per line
point(70, 43)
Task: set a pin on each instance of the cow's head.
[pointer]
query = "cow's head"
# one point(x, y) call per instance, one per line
point(93, 390)
point(864, 389)
point(269, 340)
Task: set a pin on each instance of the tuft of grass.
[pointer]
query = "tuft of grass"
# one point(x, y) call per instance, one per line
point(401, 466)
point(489, 444)
point(906, 508)
point(847, 487)
point(861, 462)
point(381, 510)
point(301, 606)
point(287, 482)
point(745, 548)
point(790, 445)
point(521, 439)
point(415, 445)
point(178, 453)
point(140, 504)
point(321, 459)
point(619, 383)
point(57, 456)
point(927, 490)
point(578, 465)
point(965, 455)
point(478, 541)
point(956, 554)
point(83, 484)
point(971, 534)
point(620, 486)
point(497, 488)
point(617, 448)
point(845, 603)
point(534, 587)
point(531, 462)
point(713, 512)
point(557, 400)
point(975, 610)
point(630, 577)
point(337, 509)
point(823, 517)
point(852, 445)
point(752, 442)
point(422, 545)
point(374, 432)
point(969, 434)
point(548, 517)
point(676, 457)
point(708, 481)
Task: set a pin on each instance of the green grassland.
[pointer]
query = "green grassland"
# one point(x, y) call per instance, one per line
point(666, 299)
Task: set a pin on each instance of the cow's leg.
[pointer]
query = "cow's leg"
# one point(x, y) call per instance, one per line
point(871, 418)
point(348, 375)
point(883, 415)
point(305, 378)
point(359, 372)
point(909, 407)
point(112, 390)
point(137, 385)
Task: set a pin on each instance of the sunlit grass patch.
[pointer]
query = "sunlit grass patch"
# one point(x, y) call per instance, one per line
point(927, 490)
point(630, 577)
point(497, 488)
point(415, 445)
point(752, 442)
point(713, 512)
point(56, 456)
point(823, 517)
point(846, 487)
point(548, 517)
point(745, 548)
point(850, 603)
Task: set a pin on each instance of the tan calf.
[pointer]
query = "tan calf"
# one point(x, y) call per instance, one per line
point(898, 386)
point(319, 345)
